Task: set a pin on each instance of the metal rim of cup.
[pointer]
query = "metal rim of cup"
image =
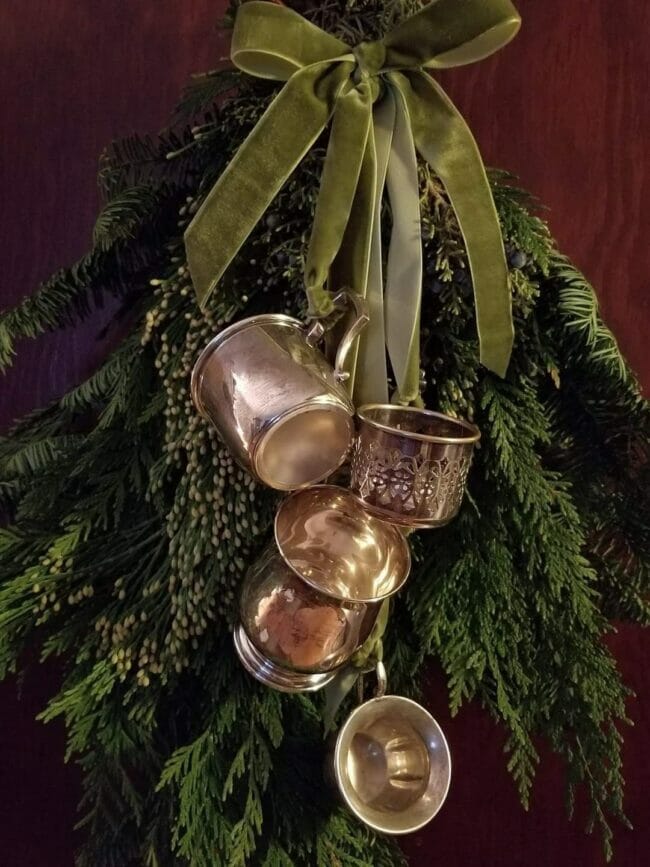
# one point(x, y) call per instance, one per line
point(220, 338)
point(273, 675)
point(473, 433)
point(316, 585)
point(342, 786)
point(406, 523)
point(313, 404)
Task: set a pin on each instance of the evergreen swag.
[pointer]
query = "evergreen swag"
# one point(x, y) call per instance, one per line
point(130, 527)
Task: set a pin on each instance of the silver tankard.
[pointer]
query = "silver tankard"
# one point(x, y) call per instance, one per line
point(277, 402)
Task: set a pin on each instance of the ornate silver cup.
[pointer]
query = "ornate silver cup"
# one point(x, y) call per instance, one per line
point(409, 466)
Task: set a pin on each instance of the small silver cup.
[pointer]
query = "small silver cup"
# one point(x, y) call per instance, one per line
point(409, 466)
point(391, 763)
point(278, 404)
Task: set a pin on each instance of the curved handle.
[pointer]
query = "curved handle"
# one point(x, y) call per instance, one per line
point(382, 680)
point(360, 321)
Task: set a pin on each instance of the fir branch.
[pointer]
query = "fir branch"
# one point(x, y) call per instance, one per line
point(204, 89)
point(144, 160)
point(578, 307)
point(123, 215)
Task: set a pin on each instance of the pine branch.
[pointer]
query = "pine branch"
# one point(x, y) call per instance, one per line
point(122, 216)
point(205, 89)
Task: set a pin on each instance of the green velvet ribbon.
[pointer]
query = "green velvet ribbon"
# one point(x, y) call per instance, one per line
point(364, 661)
point(383, 107)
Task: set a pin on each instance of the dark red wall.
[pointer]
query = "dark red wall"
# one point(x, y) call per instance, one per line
point(565, 107)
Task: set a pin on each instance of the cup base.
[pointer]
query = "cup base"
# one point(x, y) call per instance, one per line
point(273, 675)
point(304, 446)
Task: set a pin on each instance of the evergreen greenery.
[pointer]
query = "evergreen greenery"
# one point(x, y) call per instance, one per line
point(130, 527)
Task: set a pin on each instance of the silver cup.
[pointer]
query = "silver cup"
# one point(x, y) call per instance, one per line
point(409, 466)
point(391, 763)
point(296, 627)
point(278, 404)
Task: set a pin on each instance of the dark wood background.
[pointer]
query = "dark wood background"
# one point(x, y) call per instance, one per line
point(565, 107)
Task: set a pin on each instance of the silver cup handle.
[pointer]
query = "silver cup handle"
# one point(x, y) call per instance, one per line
point(361, 319)
point(382, 680)
point(317, 330)
point(315, 333)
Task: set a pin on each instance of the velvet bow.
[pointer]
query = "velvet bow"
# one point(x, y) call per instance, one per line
point(384, 108)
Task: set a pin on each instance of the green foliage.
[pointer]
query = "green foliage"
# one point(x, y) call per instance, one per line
point(61, 300)
point(130, 527)
point(205, 89)
point(137, 160)
point(123, 215)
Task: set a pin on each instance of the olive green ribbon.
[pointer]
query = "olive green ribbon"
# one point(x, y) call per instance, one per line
point(363, 661)
point(384, 107)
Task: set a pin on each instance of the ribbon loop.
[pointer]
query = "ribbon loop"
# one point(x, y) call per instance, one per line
point(448, 33)
point(271, 41)
point(325, 79)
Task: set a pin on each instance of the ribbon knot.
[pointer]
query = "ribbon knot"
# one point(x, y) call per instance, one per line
point(383, 107)
point(370, 58)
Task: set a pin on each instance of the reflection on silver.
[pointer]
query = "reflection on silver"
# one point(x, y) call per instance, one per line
point(329, 539)
point(388, 767)
point(295, 626)
point(392, 765)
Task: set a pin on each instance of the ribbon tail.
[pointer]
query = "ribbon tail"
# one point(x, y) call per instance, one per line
point(403, 297)
point(444, 140)
point(339, 180)
point(335, 694)
point(371, 382)
point(350, 269)
point(257, 172)
point(364, 660)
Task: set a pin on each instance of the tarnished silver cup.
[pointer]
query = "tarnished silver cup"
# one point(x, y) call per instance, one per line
point(296, 627)
point(278, 404)
point(391, 763)
point(409, 466)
